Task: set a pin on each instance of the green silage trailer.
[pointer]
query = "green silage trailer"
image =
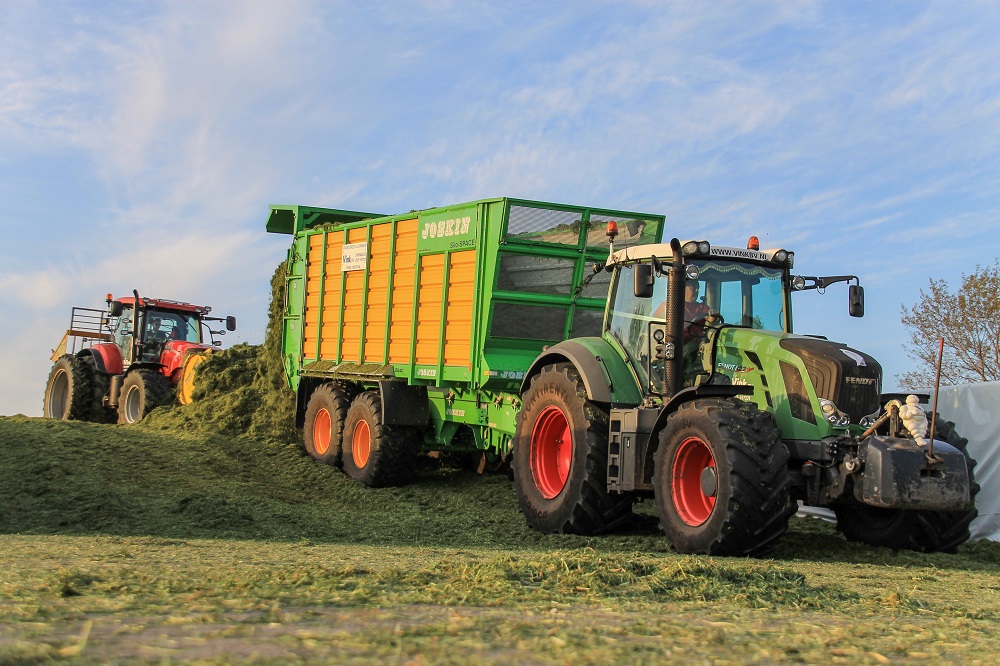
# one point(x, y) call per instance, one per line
point(441, 311)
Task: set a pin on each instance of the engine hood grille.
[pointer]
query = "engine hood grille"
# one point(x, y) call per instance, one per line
point(848, 377)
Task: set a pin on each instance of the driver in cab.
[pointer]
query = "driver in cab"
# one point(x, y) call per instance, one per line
point(696, 313)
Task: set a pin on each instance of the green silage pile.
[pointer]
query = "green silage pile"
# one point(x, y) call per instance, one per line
point(241, 391)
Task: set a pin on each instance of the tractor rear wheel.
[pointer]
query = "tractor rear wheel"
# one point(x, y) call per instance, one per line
point(924, 531)
point(142, 391)
point(68, 392)
point(376, 454)
point(560, 460)
point(721, 479)
point(100, 385)
point(323, 433)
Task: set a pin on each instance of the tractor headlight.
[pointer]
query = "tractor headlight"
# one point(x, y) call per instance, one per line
point(784, 257)
point(696, 248)
point(798, 282)
point(834, 415)
point(692, 272)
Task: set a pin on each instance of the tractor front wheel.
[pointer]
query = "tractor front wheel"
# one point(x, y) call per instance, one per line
point(721, 479)
point(141, 391)
point(323, 433)
point(560, 461)
point(68, 392)
point(376, 454)
point(924, 531)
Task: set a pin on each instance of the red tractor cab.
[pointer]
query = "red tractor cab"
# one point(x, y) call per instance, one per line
point(122, 362)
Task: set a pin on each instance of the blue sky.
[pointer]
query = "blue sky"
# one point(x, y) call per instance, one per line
point(141, 142)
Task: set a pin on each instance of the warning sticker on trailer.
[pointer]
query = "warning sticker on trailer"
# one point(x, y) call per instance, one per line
point(354, 257)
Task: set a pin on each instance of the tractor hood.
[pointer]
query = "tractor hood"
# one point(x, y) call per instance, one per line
point(800, 371)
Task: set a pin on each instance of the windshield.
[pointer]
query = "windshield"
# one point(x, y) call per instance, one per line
point(162, 325)
point(744, 294)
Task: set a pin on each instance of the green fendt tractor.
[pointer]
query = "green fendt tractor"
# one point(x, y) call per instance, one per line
point(716, 409)
point(509, 330)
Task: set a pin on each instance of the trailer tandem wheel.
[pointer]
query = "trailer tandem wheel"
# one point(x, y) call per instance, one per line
point(721, 479)
point(376, 454)
point(323, 433)
point(560, 458)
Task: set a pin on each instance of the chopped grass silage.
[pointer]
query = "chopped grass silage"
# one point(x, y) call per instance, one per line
point(240, 391)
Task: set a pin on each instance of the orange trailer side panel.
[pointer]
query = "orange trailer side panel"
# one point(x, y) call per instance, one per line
point(314, 273)
point(331, 296)
point(380, 257)
point(461, 309)
point(429, 308)
point(401, 318)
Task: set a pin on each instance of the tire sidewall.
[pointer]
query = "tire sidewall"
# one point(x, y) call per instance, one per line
point(544, 514)
point(684, 537)
point(132, 387)
point(149, 387)
point(78, 387)
point(323, 399)
point(361, 410)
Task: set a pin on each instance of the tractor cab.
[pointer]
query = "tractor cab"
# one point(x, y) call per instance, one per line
point(713, 289)
point(143, 333)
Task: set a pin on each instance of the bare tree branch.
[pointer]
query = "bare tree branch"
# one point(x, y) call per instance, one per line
point(969, 322)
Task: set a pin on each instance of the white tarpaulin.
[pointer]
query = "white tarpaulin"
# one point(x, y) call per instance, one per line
point(975, 409)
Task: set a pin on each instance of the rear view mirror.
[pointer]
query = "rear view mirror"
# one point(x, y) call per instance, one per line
point(116, 309)
point(230, 323)
point(856, 300)
point(643, 287)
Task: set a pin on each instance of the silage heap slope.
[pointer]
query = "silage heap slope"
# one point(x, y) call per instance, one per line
point(79, 478)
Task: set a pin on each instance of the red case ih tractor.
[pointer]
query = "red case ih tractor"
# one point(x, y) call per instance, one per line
point(137, 354)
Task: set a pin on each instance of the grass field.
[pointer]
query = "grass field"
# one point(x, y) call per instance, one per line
point(173, 542)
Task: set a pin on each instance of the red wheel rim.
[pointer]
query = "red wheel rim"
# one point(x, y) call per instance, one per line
point(692, 459)
point(551, 451)
point(361, 445)
point(322, 432)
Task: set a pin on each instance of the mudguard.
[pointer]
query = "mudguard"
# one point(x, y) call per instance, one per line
point(174, 352)
point(107, 356)
point(606, 375)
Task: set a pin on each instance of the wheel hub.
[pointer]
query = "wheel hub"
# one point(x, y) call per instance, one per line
point(551, 451)
point(322, 432)
point(361, 446)
point(694, 481)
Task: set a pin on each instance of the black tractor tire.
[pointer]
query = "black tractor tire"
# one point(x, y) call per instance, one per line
point(68, 392)
point(560, 458)
point(142, 391)
point(376, 454)
point(721, 479)
point(923, 531)
point(323, 434)
point(101, 385)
